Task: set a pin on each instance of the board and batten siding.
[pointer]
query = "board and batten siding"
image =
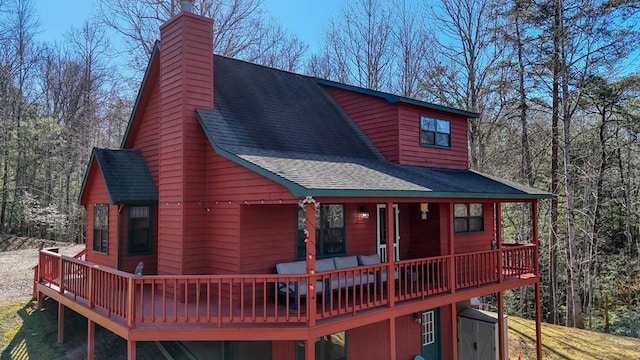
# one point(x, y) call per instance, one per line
point(376, 117)
point(413, 153)
point(97, 194)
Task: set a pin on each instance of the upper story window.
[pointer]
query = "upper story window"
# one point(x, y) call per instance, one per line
point(330, 235)
point(100, 228)
point(435, 132)
point(468, 217)
point(139, 230)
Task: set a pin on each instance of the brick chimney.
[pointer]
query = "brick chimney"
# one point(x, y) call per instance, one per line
point(186, 83)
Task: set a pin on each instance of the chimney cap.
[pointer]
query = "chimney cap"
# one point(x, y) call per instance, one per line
point(186, 5)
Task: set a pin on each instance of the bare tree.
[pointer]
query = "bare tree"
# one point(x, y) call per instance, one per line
point(358, 46)
point(239, 29)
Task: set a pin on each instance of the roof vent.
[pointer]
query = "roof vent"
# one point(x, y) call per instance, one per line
point(186, 5)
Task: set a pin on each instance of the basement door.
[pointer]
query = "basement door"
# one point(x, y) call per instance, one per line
point(430, 326)
point(381, 210)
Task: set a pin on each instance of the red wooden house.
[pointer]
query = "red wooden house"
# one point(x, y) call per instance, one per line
point(260, 201)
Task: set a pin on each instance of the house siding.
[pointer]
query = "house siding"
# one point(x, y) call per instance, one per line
point(377, 118)
point(268, 237)
point(146, 138)
point(229, 186)
point(186, 83)
point(97, 194)
point(412, 153)
point(369, 341)
point(408, 341)
point(477, 241)
point(128, 262)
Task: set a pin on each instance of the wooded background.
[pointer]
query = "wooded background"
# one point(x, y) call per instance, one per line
point(556, 83)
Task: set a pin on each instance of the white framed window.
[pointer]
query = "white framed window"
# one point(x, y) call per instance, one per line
point(428, 328)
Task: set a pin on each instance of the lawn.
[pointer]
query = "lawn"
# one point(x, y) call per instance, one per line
point(559, 342)
point(28, 333)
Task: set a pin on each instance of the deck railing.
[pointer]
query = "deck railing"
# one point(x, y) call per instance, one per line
point(271, 298)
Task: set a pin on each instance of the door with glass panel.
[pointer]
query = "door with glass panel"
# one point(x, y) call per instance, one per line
point(382, 232)
point(430, 329)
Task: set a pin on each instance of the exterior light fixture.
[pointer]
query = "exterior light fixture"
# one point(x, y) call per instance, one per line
point(363, 213)
point(424, 209)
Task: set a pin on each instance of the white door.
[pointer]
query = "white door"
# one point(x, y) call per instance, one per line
point(381, 236)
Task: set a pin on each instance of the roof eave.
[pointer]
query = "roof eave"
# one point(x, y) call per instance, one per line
point(419, 194)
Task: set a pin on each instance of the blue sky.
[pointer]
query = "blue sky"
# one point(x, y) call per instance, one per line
point(304, 18)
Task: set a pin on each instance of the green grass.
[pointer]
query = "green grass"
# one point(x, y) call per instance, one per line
point(27, 333)
point(559, 342)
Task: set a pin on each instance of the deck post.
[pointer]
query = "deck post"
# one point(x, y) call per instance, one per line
point(454, 331)
point(131, 350)
point(60, 274)
point(499, 240)
point(310, 349)
point(91, 339)
point(60, 323)
point(452, 259)
point(130, 302)
point(391, 253)
point(310, 206)
point(538, 322)
point(501, 329)
point(392, 340)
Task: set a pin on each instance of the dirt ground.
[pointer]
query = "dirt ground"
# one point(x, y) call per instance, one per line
point(18, 255)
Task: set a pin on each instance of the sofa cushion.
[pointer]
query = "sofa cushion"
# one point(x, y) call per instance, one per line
point(324, 265)
point(345, 262)
point(365, 260)
point(296, 267)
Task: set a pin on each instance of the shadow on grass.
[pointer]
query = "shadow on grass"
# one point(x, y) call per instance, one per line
point(34, 336)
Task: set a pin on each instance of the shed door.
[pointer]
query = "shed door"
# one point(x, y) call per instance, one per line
point(430, 321)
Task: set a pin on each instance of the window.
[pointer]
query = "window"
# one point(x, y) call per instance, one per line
point(435, 132)
point(139, 230)
point(329, 230)
point(428, 328)
point(330, 347)
point(468, 217)
point(100, 228)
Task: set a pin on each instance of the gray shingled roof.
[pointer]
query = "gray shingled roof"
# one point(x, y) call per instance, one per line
point(126, 175)
point(286, 127)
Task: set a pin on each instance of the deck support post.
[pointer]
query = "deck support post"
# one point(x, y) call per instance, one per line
point(538, 322)
point(310, 206)
point(91, 339)
point(501, 329)
point(310, 349)
point(452, 259)
point(60, 323)
point(392, 340)
point(454, 331)
point(534, 225)
point(39, 299)
point(131, 350)
point(391, 255)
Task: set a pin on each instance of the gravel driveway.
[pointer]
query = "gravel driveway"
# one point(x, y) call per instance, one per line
point(16, 273)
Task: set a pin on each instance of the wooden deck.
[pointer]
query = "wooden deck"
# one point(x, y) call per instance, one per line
point(250, 306)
